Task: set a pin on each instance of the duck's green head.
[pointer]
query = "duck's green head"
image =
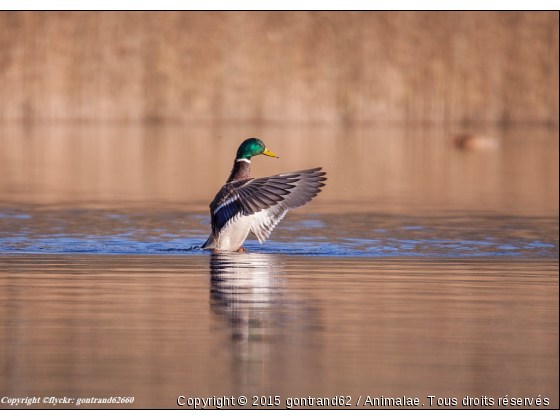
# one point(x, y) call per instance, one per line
point(252, 147)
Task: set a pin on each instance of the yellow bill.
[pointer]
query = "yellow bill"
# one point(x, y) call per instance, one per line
point(269, 153)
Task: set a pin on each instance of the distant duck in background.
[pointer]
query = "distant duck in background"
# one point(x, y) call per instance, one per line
point(245, 204)
point(475, 142)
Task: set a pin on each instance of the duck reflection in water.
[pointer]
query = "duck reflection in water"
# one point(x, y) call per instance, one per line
point(265, 322)
point(244, 289)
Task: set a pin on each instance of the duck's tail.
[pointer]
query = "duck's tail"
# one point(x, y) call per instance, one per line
point(209, 244)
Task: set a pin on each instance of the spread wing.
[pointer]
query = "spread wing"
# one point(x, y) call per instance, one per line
point(269, 199)
point(306, 185)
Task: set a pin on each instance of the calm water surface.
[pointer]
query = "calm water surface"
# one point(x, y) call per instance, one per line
point(438, 278)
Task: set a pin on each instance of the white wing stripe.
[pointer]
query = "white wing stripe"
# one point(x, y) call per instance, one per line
point(225, 203)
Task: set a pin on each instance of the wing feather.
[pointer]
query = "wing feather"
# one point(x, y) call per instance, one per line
point(299, 187)
point(268, 199)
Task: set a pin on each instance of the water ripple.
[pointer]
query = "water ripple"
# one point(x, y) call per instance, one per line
point(350, 235)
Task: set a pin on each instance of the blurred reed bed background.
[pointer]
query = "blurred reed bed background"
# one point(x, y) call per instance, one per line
point(350, 67)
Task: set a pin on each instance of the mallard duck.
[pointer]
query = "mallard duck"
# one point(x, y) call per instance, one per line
point(245, 204)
